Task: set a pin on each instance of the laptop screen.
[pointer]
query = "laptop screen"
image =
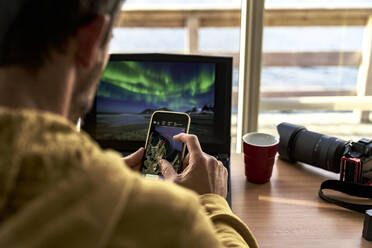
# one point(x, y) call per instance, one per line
point(133, 86)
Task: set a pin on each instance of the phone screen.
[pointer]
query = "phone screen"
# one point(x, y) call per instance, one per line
point(160, 145)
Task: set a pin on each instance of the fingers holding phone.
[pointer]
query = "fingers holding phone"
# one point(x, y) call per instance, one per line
point(134, 160)
point(203, 173)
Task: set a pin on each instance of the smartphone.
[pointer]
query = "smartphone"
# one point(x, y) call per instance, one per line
point(160, 144)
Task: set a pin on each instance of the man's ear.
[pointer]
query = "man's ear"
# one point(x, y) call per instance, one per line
point(89, 39)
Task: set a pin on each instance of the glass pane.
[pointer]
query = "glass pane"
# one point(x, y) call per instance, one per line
point(316, 78)
point(314, 59)
point(148, 40)
point(219, 39)
point(304, 38)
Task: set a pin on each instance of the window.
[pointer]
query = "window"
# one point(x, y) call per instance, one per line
point(316, 71)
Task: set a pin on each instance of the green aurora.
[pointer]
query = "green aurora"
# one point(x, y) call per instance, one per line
point(178, 85)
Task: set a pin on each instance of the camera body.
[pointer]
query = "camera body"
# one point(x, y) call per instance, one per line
point(356, 164)
point(353, 160)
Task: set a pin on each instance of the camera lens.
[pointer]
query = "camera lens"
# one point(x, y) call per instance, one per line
point(298, 144)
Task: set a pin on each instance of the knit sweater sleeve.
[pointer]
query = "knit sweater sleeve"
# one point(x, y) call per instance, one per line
point(215, 220)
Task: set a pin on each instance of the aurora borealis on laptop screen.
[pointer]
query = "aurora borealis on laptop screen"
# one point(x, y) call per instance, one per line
point(130, 91)
point(132, 86)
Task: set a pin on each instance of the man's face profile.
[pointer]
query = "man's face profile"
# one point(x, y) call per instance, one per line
point(86, 86)
point(87, 82)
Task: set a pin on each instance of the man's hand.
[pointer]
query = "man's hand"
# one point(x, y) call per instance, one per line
point(134, 160)
point(202, 173)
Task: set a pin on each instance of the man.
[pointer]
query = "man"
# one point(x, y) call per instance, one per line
point(57, 187)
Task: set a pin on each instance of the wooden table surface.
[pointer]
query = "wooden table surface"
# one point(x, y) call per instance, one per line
point(287, 212)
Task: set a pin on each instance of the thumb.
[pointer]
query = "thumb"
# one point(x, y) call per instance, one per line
point(167, 170)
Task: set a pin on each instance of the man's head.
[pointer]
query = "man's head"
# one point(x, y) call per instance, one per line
point(35, 33)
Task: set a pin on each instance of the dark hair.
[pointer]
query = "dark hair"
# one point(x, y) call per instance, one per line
point(42, 25)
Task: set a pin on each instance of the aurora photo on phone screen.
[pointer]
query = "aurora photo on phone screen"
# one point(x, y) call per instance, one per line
point(130, 91)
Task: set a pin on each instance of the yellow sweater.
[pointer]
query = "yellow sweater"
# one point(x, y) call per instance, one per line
point(59, 189)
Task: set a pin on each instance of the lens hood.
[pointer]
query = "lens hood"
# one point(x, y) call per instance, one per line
point(287, 133)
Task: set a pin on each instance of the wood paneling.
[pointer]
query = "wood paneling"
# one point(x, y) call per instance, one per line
point(288, 59)
point(218, 17)
point(334, 103)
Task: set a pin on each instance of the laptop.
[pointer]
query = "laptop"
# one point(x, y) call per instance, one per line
point(133, 86)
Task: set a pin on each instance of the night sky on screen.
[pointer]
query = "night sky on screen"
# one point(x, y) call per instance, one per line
point(132, 87)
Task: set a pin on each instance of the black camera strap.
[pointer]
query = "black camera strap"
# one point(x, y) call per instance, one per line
point(359, 190)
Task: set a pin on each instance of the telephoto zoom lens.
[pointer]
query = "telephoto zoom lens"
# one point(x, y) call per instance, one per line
point(298, 144)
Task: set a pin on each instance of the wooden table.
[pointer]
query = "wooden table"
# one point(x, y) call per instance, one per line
point(287, 212)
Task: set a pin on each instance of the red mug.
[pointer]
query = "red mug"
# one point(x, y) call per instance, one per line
point(259, 156)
